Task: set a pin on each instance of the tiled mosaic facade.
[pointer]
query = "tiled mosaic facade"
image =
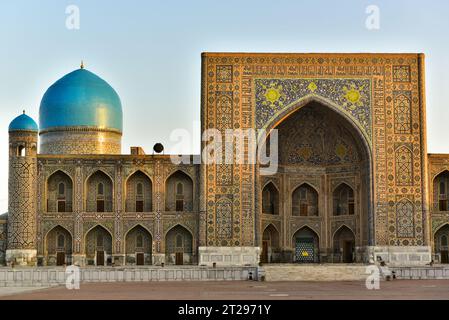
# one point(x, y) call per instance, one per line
point(380, 94)
point(117, 173)
point(353, 168)
point(80, 141)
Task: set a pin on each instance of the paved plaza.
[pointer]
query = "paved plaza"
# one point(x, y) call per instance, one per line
point(239, 290)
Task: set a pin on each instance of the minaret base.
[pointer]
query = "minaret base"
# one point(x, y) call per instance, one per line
point(21, 257)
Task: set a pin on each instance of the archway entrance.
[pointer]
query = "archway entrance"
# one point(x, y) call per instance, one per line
point(270, 245)
point(324, 174)
point(306, 244)
point(58, 244)
point(138, 246)
point(179, 246)
point(98, 247)
point(441, 242)
point(344, 245)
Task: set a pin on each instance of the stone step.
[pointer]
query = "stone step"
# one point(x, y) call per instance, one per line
point(315, 272)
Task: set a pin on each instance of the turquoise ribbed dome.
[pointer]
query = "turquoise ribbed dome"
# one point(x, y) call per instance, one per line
point(81, 99)
point(23, 123)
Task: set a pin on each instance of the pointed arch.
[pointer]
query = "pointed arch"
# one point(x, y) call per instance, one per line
point(58, 246)
point(136, 201)
point(138, 245)
point(179, 245)
point(270, 244)
point(343, 200)
point(441, 243)
point(99, 201)
point(287, 111)
point(98, 245)
point(440, 195)
point(305, 200)
point(306, 243)
point(273, 233)
point(270, 199)
point(344, 244)
point(176, 198)
point(362, 138)
point(58, 201)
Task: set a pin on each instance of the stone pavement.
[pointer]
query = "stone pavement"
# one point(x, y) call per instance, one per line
point(245, 290)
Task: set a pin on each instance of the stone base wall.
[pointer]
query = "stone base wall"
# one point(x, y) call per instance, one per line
point(315, 272)
point(21, 257)
point(425, 273)
point(229, 256)
point(400, 256)
point(56, 276)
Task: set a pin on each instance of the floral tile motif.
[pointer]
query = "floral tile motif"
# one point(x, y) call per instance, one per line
point(352, 95)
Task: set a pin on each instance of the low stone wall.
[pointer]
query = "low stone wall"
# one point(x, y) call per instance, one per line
point(434, 272)
point(53, 276)
point(315, 272)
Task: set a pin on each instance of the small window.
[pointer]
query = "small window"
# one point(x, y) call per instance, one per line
point(99, 240)
point(21, 151)
point(179, 188)
point(100, 205)
point(139, 189)
point(61, 241)
point(139, 206)
point(179, 241)
point(179, 205)
point(61, 189)
point(139, 241)
point(100, 189)
point(351, 207)
point(444, 240)
point(303, 194)
point(442, 188)
point(442, 205)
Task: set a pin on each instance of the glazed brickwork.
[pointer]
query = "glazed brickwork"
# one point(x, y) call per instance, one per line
point(381, 94)
point(80, 141)
point(22, 187)
point(119, 170)
point(438, 167)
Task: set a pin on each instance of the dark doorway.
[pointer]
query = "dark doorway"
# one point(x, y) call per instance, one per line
point(140, 259)
point(100, 205)
point(444, 256)
point(179, 205)
point(61, 205)
point(100, 258)
point(179, 258)
point(60, 258)
point(348, 248)
point(139, 206)
point(264, 257)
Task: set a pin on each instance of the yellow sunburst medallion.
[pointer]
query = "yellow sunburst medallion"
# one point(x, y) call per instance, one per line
point(340, 150)
point(272, 95)
point(312, 86)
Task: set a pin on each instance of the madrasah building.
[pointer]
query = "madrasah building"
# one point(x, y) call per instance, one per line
point(354, 182)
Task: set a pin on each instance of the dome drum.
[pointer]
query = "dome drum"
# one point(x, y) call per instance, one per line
point(80, 114)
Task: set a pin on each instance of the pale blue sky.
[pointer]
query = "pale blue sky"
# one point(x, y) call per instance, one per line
point(149, 51)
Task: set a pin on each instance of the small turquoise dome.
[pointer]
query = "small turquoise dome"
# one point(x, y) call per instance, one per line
point(23, 123)
point(81, 99)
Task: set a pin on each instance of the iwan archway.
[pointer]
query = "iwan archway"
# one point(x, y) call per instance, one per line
point(320, 149)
